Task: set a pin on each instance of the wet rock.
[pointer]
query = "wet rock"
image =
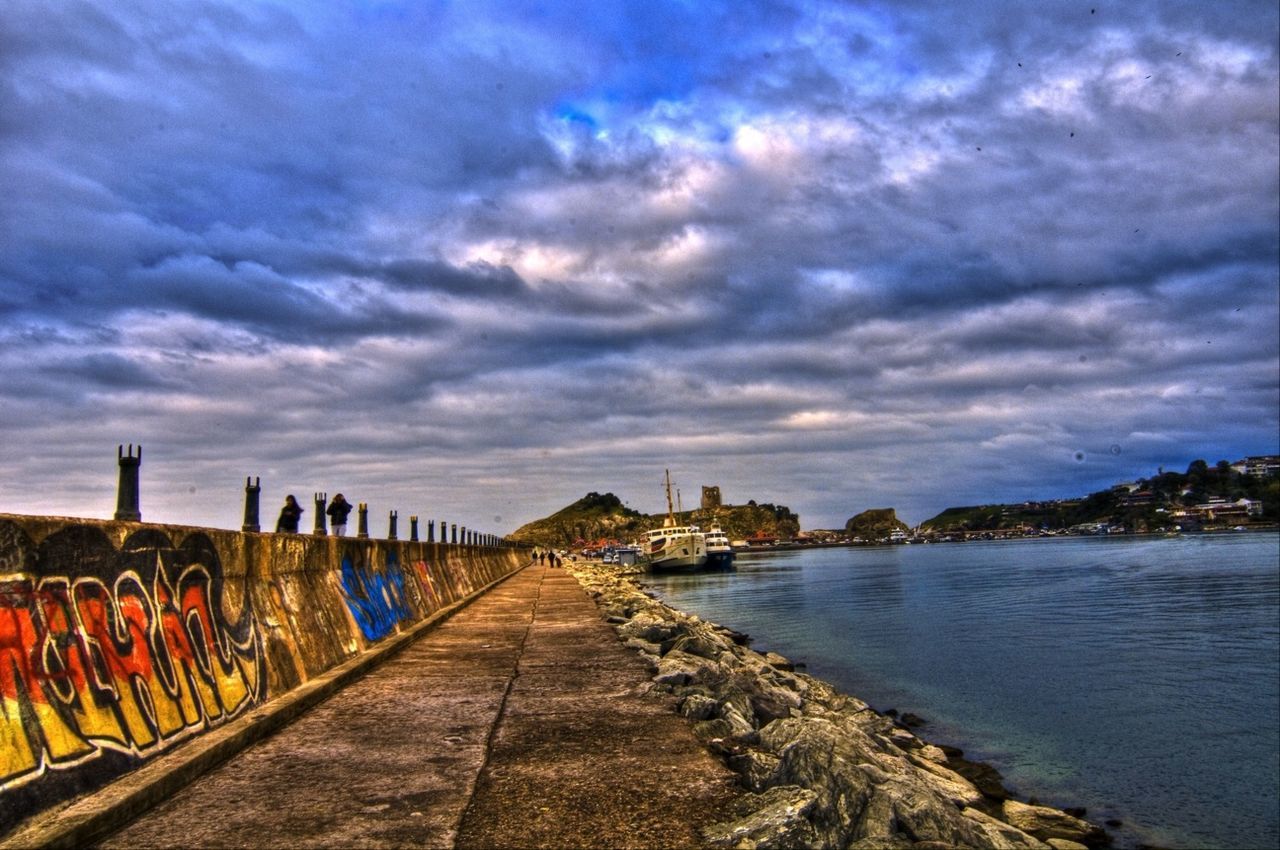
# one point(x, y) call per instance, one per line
point(778, 820)
point(912, 721)
point(984, 777)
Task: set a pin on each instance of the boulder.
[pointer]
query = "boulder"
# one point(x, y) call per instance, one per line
point(1045, 823)
point(777, 820)
point(698, 707)
point(754, 767)
point(680, 668)
point(1002, 836)
point(773, 659)
point(985, 777)
point(1064, 844)
point(701, 645)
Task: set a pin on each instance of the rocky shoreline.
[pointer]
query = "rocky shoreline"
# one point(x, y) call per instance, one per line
point(823, 768)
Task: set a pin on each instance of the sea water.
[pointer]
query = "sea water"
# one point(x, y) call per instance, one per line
point(1137, 677)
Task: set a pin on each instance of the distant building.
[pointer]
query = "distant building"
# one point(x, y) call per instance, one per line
point(710, 498)
point(1221, 509)
point(1258, 466)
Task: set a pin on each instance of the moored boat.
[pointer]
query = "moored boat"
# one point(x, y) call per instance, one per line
point(674, 547)
point(719, 550)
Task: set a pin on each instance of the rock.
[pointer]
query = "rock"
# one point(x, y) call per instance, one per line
point(773, 659)
point(680, 668)
point(642, 645)
point(754, 767)
point(710, 730)
point(698, 644)
point(950, 784)
point(1064, 844)
point(647, 627)
point(903, 739)
point(1045, 823)
point(778, 820)
point(933, 754)
point(912, 721)
point(698, 707)
point(1001, 835)
point(738, 722)
point(862, 793)
point(984, 777)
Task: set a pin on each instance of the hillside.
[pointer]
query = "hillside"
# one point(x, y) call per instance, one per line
point(1165, 500)
point(603, 517)
point(875, 525)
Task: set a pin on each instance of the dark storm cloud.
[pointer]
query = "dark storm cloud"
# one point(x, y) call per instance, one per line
point(574, 242)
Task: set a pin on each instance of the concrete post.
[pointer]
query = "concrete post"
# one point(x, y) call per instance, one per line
point(362, 525)
point(413, 529)
point(127, 492)
point(252, 490)
point(431, 531)
point(391, 525)
point(455, 534)
point(321, 499)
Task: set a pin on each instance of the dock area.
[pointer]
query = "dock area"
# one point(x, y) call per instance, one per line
point(521, 721)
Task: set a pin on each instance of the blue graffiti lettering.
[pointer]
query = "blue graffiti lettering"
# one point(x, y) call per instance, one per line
point(376, 599)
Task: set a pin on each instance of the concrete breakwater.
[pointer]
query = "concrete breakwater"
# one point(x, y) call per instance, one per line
point(829, 770)
point(120, 641)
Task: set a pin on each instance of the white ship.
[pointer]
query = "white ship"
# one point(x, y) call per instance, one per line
point(719, 551)
point(674, 547)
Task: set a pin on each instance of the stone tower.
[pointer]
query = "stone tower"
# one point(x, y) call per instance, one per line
point(710, 498)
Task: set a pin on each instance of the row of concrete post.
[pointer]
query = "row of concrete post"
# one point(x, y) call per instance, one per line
point(128, 501)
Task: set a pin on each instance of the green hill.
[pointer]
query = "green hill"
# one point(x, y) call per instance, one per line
point(604, 517)
point(875, 525)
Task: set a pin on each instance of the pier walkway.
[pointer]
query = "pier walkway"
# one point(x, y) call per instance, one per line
point(519, 722)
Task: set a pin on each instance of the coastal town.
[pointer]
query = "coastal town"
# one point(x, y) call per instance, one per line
point(1226, 497)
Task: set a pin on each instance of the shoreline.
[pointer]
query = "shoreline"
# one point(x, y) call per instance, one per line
point(1137, 535)
point(829, 770)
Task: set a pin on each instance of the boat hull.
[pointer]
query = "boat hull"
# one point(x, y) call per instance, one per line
point(719, 561)
point(677, 552)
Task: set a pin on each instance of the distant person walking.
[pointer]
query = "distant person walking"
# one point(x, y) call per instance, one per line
point(289, 515)
point(338, 511)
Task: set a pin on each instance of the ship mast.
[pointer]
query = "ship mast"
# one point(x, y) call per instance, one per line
point(671, 520)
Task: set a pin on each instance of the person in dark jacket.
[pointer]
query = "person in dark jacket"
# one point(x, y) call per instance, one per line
point(289, 515)
point(338, 510)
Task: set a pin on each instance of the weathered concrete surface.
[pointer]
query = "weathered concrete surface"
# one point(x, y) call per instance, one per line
point(122, 642)
point(520, 722)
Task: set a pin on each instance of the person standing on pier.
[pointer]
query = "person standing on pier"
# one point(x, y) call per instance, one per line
point(338, 510)
point(290, 514)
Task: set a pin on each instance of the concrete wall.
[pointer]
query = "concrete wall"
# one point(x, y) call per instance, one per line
point(121, 640)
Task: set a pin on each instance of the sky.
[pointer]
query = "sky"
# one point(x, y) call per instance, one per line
point(472, 260)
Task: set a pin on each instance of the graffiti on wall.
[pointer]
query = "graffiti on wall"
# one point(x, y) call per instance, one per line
point(376, 597)
point(110, 656)
point(428, 584)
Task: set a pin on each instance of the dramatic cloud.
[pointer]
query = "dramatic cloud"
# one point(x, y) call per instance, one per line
point(473, 260)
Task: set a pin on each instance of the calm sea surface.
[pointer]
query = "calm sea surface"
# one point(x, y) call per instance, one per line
point(1137, 677)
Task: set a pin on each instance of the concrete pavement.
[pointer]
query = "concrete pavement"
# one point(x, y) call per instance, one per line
point(519, 722)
